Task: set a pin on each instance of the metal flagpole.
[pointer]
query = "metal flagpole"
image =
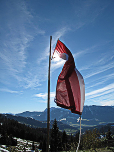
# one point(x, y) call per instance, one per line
point(48, 103)
point(79, 135)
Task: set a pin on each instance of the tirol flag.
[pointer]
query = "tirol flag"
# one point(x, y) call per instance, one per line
point(70, 89)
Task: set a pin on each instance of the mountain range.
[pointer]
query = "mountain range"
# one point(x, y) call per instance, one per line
point(92, 116)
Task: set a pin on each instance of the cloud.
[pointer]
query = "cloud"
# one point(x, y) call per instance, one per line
point(100, 64)
point(100, 69)
point(100, 92)
point(100, 80)
point(41, 95)
point(57, 64)
point(44, 95)
point(107, 103)
point(10, 91)
point(86, 13)
point(81, 53)
point(58, 34)
point(15, 41)
point(42, 101)
point(31, 81)
point(17, 32)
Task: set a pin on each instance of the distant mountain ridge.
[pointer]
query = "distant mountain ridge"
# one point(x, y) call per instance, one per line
point(37, 124)
point(90, 113)
point(92, 116)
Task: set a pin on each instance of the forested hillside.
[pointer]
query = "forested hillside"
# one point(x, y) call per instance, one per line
point(14, 128)
point(59, 141)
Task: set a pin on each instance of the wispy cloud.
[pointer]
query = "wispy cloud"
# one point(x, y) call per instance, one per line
point(18, 31)
point(31, 80)
point(82, 13)
point(100, 80)
point(100, 92)
point(81, 53)
point(99, 64)
point(57, 64)
point(43, 96)
point(10, 91)
point(100, 69)
point(21, 30)
point(107, 103)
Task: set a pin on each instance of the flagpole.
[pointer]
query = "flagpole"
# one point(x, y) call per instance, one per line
point(48, 103)
point(79, 135)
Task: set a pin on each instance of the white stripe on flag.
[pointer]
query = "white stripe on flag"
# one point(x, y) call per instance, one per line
point(82, 89)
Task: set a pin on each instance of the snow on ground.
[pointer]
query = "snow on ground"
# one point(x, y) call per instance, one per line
point(21, 145)
point(3, 150)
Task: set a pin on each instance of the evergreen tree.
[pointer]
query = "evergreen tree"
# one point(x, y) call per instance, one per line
point(91, 139)
point(64, 137)
point(33, 147)
point(108, 135)
point(24, 149)
point(77, 137)
point(55, 142)
point(64, 140)
point(44, 146)
point(71, 139)
point(41, 145)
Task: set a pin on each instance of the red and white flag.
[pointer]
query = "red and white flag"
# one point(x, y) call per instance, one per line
point(70, 89)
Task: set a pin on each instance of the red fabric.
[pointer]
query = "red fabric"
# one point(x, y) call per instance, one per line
point(68, 90)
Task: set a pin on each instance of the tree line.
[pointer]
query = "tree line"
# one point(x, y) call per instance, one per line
point(90, 139)
point(12, 128)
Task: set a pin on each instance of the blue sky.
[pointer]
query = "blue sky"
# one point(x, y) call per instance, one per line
point(87, 29)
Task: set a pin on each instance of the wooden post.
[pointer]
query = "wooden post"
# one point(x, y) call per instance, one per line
point(48, 103)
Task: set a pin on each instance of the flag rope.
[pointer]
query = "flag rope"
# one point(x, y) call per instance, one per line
point(79, 135)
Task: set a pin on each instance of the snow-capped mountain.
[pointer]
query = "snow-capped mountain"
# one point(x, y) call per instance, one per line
point(92, 115)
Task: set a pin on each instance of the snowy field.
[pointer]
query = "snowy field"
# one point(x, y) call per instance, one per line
point(22, 145)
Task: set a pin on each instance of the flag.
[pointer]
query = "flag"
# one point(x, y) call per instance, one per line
point(70, 89)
